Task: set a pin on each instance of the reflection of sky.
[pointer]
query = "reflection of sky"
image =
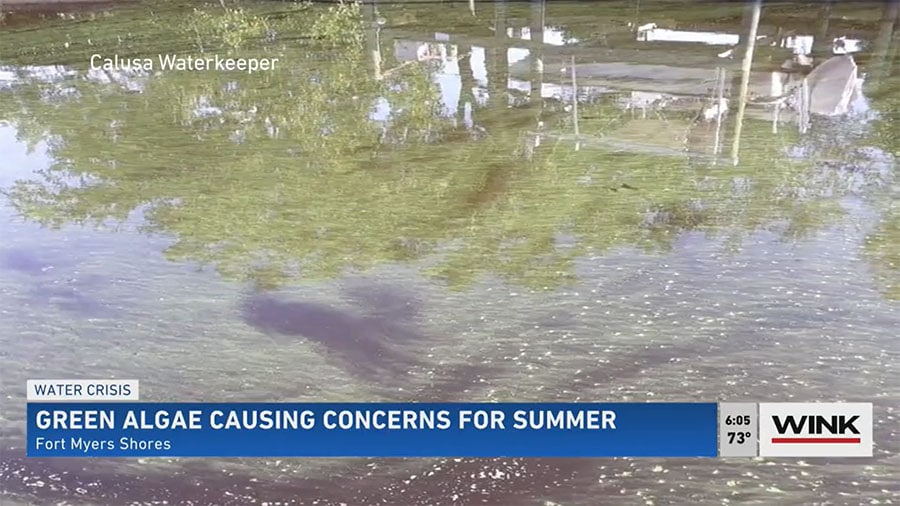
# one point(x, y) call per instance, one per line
point(72, 258)
point(6, 78)
point(131, 81)
point(18, 162)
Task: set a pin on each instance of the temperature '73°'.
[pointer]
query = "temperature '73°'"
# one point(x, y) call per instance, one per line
point(738, 437)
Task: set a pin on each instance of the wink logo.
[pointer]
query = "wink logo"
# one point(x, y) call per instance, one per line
point(800, 429)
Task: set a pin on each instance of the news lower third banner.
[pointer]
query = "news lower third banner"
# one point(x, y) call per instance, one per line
point(103, 418)
point(371, 430)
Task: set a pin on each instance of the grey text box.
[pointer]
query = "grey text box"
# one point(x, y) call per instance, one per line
point(738, 429)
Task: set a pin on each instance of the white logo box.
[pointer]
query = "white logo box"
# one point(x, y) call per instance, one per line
point(82, 390)
point(831, 439)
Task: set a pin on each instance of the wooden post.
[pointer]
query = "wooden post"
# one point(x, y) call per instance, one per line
point(498, 80)
point(881, 47)
point(373, 40)
point(720, 99)
point(575, 106)
point(893, 50)
point(803, 116)
point(537, 52)
point(822, 43)
point(745, 79)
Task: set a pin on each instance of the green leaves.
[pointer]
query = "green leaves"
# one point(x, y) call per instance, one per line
point(340, 26)
point(232, 27)
point(283, 175)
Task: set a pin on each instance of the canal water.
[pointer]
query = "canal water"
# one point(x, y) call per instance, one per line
point(417, 204)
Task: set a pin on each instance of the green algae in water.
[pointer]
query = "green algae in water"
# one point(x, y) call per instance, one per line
point(286, 177)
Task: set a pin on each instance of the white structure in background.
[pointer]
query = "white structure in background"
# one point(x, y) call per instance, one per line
point(443, 51)
point(405, 50)
point(716, 110)
point(798, 44)
point(643, 100)
point(779, 82)
point(728, 53)
point(843, 45)
point(552, 36)
point(652, 33)
point(802, 45)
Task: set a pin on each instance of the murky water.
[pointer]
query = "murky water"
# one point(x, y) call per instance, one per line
point(412, 207)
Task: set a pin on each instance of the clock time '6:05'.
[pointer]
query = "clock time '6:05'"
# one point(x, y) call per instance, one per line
point(739, 421)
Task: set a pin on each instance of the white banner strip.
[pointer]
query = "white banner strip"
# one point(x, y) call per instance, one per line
point(84, 390)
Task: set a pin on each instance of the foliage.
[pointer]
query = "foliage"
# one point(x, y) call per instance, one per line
point(283, 174)
point(340, 25)
point(882, 249)
point(234, 27)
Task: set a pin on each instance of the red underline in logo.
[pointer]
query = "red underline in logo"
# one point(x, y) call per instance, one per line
point(815, 440)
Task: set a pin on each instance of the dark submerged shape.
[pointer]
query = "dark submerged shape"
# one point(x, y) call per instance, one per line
point(22, 261)
point(361, 344)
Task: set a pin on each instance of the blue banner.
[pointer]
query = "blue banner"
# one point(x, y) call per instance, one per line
point(136, 429)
